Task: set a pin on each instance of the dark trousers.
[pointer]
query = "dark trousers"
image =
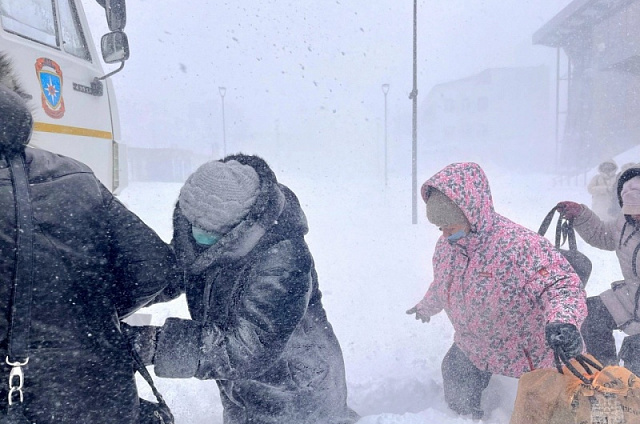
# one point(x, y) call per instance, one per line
point(597, 332)
point(630, 353)
point(463, 383)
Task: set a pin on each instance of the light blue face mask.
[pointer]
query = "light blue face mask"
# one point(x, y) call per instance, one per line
point(205, 238)
point(456, 236)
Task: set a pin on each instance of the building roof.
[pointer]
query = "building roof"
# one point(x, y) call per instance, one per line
point(577, 15)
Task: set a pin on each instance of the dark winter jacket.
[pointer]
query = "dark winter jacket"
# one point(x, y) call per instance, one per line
point(95, 263)
point(258, 328)
point(621, 235)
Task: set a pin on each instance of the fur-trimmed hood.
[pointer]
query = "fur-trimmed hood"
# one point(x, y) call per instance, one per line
point(16, 121)
point(276, 211)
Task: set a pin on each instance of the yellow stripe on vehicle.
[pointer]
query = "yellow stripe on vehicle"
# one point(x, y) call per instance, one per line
point(66, 129)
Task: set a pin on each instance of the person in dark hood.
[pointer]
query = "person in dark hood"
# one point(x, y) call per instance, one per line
point(616, 308)
point(258, 326)
point(93, 262)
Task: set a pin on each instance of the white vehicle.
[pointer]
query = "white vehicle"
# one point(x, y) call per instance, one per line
point(51, 50)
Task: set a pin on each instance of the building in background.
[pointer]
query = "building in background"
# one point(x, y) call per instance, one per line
point(501, 112)
point(601, 115)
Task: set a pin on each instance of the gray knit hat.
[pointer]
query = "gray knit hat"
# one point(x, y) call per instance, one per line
point(631, 196)
point(218, 195)
point(441, 211)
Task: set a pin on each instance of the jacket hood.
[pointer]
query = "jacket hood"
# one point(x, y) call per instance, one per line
point(16, 122)
point(624, 177)
point(468, 187)
point(611, 163)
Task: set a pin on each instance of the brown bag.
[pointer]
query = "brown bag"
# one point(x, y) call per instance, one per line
point(609, 395)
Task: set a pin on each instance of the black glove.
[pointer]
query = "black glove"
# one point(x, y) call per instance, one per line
point(564, 337)
point(143, 340)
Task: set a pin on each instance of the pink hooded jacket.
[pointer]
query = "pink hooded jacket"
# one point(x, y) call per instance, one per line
point(501, 284)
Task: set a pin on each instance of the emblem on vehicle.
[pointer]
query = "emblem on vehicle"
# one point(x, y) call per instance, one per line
point(50, 77)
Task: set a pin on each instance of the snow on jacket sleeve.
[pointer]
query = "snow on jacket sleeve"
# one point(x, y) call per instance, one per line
point(436, 297)
point(175, 286)
point(273, 302)
point(598, 233)
point(550, 278)
point(142, 263)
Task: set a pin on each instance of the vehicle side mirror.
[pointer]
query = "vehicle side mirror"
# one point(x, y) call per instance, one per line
point(116, 11)
point(115, 47)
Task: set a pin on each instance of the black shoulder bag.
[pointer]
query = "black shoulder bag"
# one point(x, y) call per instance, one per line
point(565, 231)
point(20, 315)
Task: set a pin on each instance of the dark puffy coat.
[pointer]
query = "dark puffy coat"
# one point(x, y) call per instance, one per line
point(258, 328)
point(96, 262)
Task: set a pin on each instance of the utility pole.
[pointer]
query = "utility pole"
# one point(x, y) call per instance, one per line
point(557, 161)
point(385, 90)
point(414, 97)
point(223, 91)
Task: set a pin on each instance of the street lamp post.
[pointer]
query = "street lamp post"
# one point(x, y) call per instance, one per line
point(385, 90)
point(223, 91)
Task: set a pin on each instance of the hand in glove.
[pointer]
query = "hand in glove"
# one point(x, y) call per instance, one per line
point(564, 337)
point(569, 210)
point(143, 340)
point(422, 317)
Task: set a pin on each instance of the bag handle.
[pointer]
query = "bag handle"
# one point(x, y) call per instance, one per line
point(139, 366)
point(587, 364)
point(21, 299)
point(564, 229)
point(20, 319)
point(546, 222)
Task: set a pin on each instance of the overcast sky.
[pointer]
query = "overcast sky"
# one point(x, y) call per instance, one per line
point(305, 75)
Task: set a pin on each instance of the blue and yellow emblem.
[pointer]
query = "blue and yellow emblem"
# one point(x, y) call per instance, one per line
point(50, 77)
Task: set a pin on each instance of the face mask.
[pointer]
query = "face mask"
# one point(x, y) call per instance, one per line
point(456, 236)
point(204, 238)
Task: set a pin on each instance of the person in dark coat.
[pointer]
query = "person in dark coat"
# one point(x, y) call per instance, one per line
point(95, 263)
point(258, 325)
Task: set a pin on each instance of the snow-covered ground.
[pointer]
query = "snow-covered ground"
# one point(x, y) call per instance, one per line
point(374, 264)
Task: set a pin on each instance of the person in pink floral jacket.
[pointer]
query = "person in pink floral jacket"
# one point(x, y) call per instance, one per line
point(511, 296)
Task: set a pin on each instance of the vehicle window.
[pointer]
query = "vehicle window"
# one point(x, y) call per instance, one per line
point(73, 40)
point(32, 19)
